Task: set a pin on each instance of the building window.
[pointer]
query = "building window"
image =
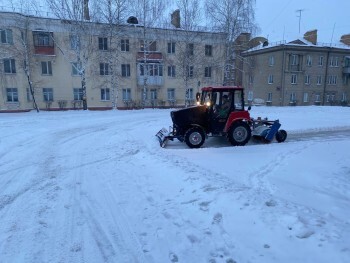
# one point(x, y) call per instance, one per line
point(190, 49)
point(12, 94)
point(9, 66)
point(293, 97)
point(124, 45)
point(6, 36)
point(306, 97)
point(294, 59)
point(307, 79)
point(207, 72)
point(189, 94)
point(78, 94)
point(250, 95)
point(126, 94)
point(332, 80)
point(151, 69)
point(269, 97)
point(102, 43)
point(154, 94)
point(172, 71)
point(320, 61)
point(105, 95)
point(271, 61)
point(171, 47)
point(171, 94)
point(308, 60)
point(46, 68)
point(208, 50)
point(294, 79)
point(319, 80)
point(334, 61)
point(251, 79)
point(270, 79)
point(144, 94)
point(343, 97)
point(125, 70)
point(189, 71)
point(318, 98)
point(76, 68)
point(74, 42)
point(48, 94)
point(43, 39)
point(104, 69)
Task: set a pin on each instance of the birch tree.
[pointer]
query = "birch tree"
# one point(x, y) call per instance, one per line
point(76, 16)
point(187, 60)
point(113, 13)
point(20, 50)
point(150, 14)
point(232, 17)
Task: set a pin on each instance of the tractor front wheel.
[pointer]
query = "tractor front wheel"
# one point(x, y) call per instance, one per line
point(239, 134)
point(194, 137)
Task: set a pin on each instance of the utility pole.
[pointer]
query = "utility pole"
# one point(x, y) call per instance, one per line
point(299, 10)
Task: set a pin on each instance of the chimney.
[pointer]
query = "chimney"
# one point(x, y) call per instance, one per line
point(175, 18)
point(345, 39)
point(311, 36)
point(86, 10)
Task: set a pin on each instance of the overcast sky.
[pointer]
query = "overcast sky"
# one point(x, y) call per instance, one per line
point(279, 19)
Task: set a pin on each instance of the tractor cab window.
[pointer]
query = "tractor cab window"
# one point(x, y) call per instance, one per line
point(206, 99)
point(238, 98)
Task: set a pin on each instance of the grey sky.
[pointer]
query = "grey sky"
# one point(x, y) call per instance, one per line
point(279, 19)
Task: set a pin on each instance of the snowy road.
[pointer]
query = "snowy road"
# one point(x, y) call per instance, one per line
point(96, 187)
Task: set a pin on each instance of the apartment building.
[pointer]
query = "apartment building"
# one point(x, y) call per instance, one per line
point(57, 64)
point(300, 72)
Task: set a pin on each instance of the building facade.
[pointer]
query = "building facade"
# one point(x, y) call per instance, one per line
point(56, 64)
point(297, 73)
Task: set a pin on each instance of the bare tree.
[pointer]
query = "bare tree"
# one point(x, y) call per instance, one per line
point(187, 62)
point(113, 14)
point(76, 16)
point(232, 17)
point(20, 50)
point(150, 14)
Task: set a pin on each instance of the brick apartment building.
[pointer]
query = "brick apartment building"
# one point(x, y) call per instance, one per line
point(300, 72)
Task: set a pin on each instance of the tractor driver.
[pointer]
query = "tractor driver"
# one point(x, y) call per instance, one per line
point(225, 106)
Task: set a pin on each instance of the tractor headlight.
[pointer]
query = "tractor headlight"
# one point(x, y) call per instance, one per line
point(208, 103)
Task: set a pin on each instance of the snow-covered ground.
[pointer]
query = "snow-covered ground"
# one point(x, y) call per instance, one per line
point(83, 186)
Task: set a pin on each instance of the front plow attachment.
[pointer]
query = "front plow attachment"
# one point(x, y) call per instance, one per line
point(163, 137)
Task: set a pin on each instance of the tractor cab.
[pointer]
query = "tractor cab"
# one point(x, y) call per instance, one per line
point(222, 103)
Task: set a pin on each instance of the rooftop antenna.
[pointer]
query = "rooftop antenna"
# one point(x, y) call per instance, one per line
point(299, 10)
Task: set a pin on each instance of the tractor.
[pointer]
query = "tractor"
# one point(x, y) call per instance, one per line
point(220, 111)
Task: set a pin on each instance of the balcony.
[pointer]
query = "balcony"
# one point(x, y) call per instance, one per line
point(149, 57)
point(43, 43)
point(44, 50)
point(346, 70)
point(151, 80)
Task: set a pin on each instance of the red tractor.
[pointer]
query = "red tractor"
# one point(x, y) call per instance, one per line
point(219, 111)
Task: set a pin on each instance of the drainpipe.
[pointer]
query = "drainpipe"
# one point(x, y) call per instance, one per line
point(283, 74)
point(326, 76)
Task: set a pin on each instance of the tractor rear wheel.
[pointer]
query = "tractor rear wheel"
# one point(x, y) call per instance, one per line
point(239, 134)
point(194, 137)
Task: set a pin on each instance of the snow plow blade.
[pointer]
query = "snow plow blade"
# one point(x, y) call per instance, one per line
point(162, 136)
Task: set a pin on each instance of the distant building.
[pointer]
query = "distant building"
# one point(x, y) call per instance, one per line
point(300, 72)
point(123, 70)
